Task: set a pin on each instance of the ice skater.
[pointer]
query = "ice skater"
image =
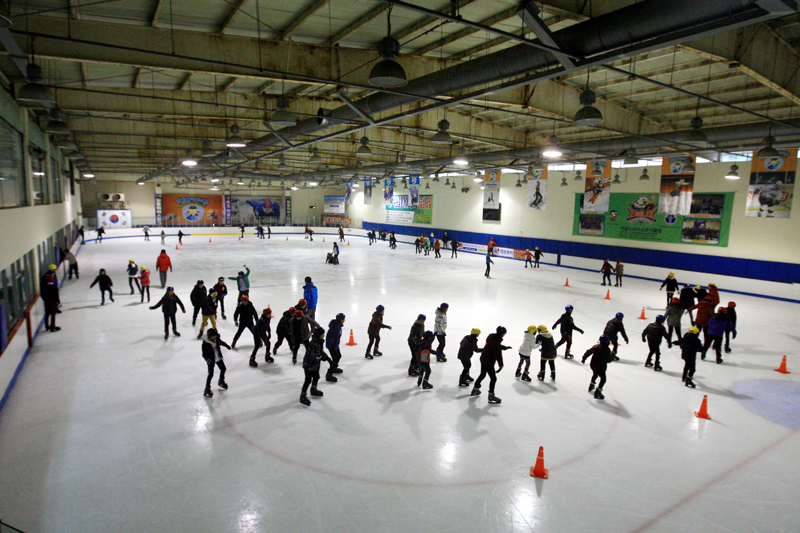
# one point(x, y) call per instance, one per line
point(732, 329)
point(614, 328)
point(310, 295)
point(100, 232)
point(82, 234)
point(454, 246)
point(311, 363)
point(718, 326)
point(133, 273)
point(567, 326)
point(601, 356)
point(222, 290)
point(492, 354)
point(180, 237)
point(241, 231)
point(440, 329)
point(374, 332)
point(547, 347)
point(105, 285)
point(528, 258)
point(197, 298)
point(263, 334)
point(672, 286)
point(489, 264)
point(169, 304)
point(332, 340)
point(163, 238)
point(705, 310)
point(467, 347)
point(673, 315)
point(424, 363)
point(414, 342)
point(687, 298)
point(146, 231)
point(69, 257)
point(245, 317)
point(437, 246)
point(282, 329)
point(537, 255)
point(653, 334)
point(144, 282)
point(212, 353)
point(163, 263)
point(242, 280)
point(606, 270)
point(525, 349)
point(690, 344)
point(619, 270)
point(51, 299)
point(208, 311)
point(341, 234)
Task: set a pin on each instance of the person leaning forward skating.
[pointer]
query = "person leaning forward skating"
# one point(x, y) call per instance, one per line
point(492, 354)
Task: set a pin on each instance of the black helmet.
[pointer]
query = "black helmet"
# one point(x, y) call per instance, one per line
point(340, 316)
point(212, 332)
point(501, 330)
point(318, 331)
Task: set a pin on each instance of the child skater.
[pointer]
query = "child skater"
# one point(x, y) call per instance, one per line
point(332, 340)
point(425, 349)
point(440, 329)
point(732, 318)
point(197, 297)
point(673, 315)
point(282, 329)
point(169, 304)
point(467, 347)
point(528, 258)
point(212, 353)
point(601, 356)
point(222, 290)
point(672, 286)
point(653, 334)
point(567, 325)
point(489, 264)
point(133, 272)
point(311, 364)
point(374, 332)
point(548, 350)
point(492, 353)
point(144, 281)
point(690, 344)
point(105, 285)
point(537, 255)
point(528, 342)
point(263, 334)
point(414, 342)
point(619, 270)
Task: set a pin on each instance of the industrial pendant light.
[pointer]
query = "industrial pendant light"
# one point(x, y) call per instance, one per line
point(208, 149)
point(564, 182)
point(282, 118)
point(644, 176)
point(235, 140)
point(537, 164)
point(56, 125)
point(597, 170)
point(435, 178)
point(454, 184)
point(732, 173)
point(427, 185)
point(442, 137)
point(447, 182)
point(461, 158)
point(696, 136)
point(768, 150)
point(616, 180)
point(34, 92)
point(578, 176)
point(189, 161)
point(552, 151)
point(689, 167)
point(529, 175)
point(315, 158)
point(478, 177)
point(588, 115)
point(282, 163)
point(630, 159)
point(519, 183)
point(388, 73)
point(364, 149)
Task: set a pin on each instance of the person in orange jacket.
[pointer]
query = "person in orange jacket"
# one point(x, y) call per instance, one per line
point(436, 247)
point(163, 264)
point(713, 291)
point(528, 258)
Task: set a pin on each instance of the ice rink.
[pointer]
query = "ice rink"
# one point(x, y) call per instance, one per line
point(107, 428)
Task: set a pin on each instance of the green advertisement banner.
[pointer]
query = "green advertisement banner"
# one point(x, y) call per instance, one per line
point(412, 208)
point(634, 216)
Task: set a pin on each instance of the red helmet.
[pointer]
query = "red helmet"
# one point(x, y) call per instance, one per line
point(291, 310)
point(676, 300)
point(723, 309)
point(267, 311)
point(298, 313)
point(245, 297)
point(301, 303)
point(731, 304)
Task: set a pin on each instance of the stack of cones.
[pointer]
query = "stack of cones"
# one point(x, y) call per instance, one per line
point(539, 470)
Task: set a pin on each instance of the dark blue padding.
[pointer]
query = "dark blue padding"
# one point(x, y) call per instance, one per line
point(711, 264)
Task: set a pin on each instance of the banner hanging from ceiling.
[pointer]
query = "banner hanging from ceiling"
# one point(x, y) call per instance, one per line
point(772, 185)
point(368, 195)
point(192, 209)
point(537, 190)
point(491, 195)
point(677, 185)
point(388, 191)
point(597, 189)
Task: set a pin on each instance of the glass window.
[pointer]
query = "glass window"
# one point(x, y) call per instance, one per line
point(41, 193)
point(13, 190)
point(57, 181)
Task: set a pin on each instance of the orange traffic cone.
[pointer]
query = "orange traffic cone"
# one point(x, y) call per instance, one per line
point(642, 317)
point(240, 239)
point(209, 239)
point(539, 470)
point(287, 238)
point(608, 295)
point(703, 412)
point(782, 368)
point(567, 283)
point(176, 246)
point(352, 341)
point(323, 239)
point(348, 243)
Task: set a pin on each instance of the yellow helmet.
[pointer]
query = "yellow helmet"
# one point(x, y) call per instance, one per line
point(527, 250)
point(542, 329)
point(712, 284)
point(532, 329)
point(694, 329)
point(131, 261)
point(537, 247)
point(697, 287)
point(144, 268)
point(53, 267)
point(475, 331)
point(672, 274)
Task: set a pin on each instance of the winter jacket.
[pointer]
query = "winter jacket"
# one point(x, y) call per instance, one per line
point(376, 324)
point(104, 281)
point(489, 260)
point(415, 335)
point(221, 290)
point(687, 297)
point(620, 269)
point(732, 317)
point(528, 342)
point(567, 324)
point(671, 284)
point(440, 323)
point(613, 327)
point(690, 344)
point(49, 295)
point(545, 340)
point(718, 324)
point(314, 355)
point(704, 312)
point(700, 294)
point(133, 270)
point(243, 282)
point(69, 257)
point(673, 315)
point(263, 329)
point(245, 314)
point(211, 349)
point(169, 304)
point(493, 351)
point(468, 346)
point(302, 328)
point(714, 293)
point(425, 348)
point(163, 262)
point(537, 254)
point(144, 278)
point(310, 295)
point(654, 332)
point(334, 335)
point(601, 356)
point(209, 306)
point(283, 324)
point(606, 268)
point(198, 295)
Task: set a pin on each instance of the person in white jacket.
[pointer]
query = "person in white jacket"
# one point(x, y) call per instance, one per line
point(528, 344)
point(440, 329)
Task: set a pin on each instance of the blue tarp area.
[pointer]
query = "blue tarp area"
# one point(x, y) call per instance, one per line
point(726, 266)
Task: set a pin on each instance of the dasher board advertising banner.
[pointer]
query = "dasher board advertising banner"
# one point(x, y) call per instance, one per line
point(537, 190)
point(772, 186)
point(491, 195)
point(677, 185)
point(114, 218)
point(193, 209)
point(597, 189)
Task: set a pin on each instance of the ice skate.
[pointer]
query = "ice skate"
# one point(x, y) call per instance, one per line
point(493, 398)
point(166, 336)
point(419, 381)
point(599, 395)
point(475, 391)
point(304, 399)
point(253, 362)
point(518, 372)
point(268, 359)
point(719, 360)
point(568, 355)
point(703, 356)
point(553, 376)
point(727, 349)
point(615, 357)
point(316, 392)
point(441, 359)
point(174, 332)
point(591, 386)
point(470, 379)
point(330, 377)
point(336, 370)
point(233, 345)
point(540, 376)
point(462, 382)
point(207, 393)
point(294, 359)
point(648, 364)
point(368, 356)
point(658, 368)
point(222, 384)
point(275, 351)
point(426, 385)
point(377, 353)
point(690, 383)
point(526, 377)
point(224, 317)
point(200, 335)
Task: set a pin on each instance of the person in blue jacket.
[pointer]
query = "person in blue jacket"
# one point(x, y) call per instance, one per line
point(717, 326)
point(310, 296)
point(242, 283)
point(332, 340)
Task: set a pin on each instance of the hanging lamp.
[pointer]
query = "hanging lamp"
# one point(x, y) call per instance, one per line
point(644, 176)
point(56, 124)
point(461, 158)
point(588, 115)
point(282, 118)
point(552, 151)
point(768, 150)
point(364, 149)
point(235, 140)
point(578, 176)
point(388, 73)
point(442, 137)
point(733, 173)
point(315, 158)
point(34, 92)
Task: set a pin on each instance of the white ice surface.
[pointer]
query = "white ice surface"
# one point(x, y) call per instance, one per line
point(107, 428)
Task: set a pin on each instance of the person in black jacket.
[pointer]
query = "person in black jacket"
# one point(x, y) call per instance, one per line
point(49, 293)
point(209, 311)
point(467, 347)
point(601, 356)
point(615, 327)
point(311, 364)
point(133, 276)
point(105, 285)
point(414, 342)
point(492, 353)
point(606, 270)
point(245, 317)
point(169, 304)
point(425, 349)
point(653, 334)
point(263, 334)
point(332, 340)
point(732, 319)
point(690, 344)
point(567, 326)
point(672, 286)
point(544, 339)
point(198, 297)
point(282, 329)
point(212, 353)
point(374, 332)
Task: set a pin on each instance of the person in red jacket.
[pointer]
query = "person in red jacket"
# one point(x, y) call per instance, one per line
point(705, 310)
point(144, 282)
point(163, 264)
point(528, 258)
point(713, 291)
point(491, 246)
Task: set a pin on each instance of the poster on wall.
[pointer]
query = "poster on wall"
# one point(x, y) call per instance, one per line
point(636, 216)
point(196, 210)
point(333, 205)
point(227, 207)
point(250, 210)
point(677, 184)
point(115, 218)
point(413, 190)
point(388, 191)
point(368, 195)
point(159, 210)
point(597, 189)
point(401, 210)
point(537, 190)
point(772, 186)
point(491, 195)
